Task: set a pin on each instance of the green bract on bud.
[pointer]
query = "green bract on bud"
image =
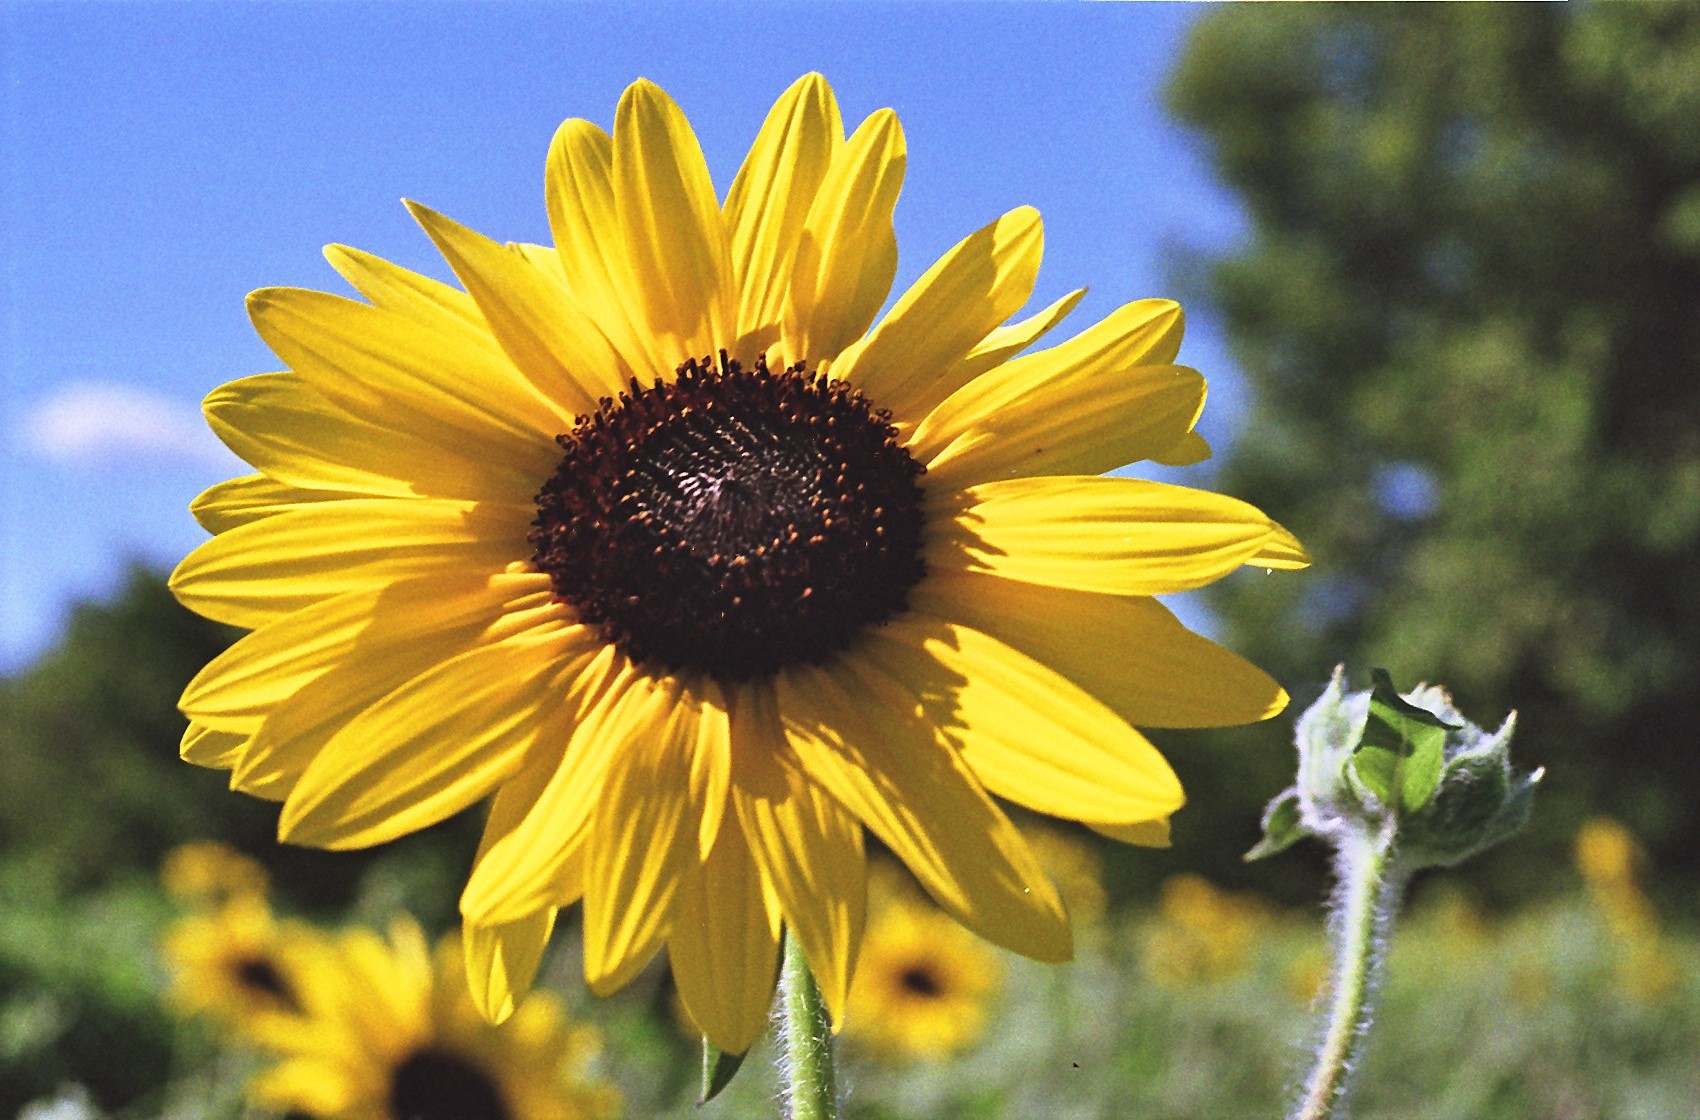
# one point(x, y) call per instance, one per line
point(1406, 766)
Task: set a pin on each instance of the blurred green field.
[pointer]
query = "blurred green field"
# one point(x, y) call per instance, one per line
point(1191, 1006)
point(1185, 1001)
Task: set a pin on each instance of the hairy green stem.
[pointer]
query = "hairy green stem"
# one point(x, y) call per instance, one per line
point(805, 1041)
point(1364, 903)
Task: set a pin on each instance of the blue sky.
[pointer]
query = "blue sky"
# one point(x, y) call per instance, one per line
point(160, 161)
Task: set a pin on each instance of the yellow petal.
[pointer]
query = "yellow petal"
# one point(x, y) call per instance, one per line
point(770, 199)
point(297, 729)
point(435, 745)
point(280, 424)
point(420, 298)
point(1189, 449)
point(386, 985)
point(847, 256)
point(1282, 551)
point(364, 628)
point(711, 759)
point(1094, 403)
point(864, 737)
point(596, 268)
point(533, 847)
point(1146, 834)
point(643, 835)
point(216, 750)
point(808, 847)
point(1100, 420)
point(670, 221)
point(724, 953)
point(316, 1085)
point(391, 371)
point(552, 343)
point(504, 887)
point(981, 282)
point(1130, 653)
point(226, 505)
point(1002, 344)
point(1118, 536)
point(254, 573)
point(1029, 735)
point(502, 960)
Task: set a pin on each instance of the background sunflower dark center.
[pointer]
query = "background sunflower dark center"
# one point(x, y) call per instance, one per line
point(732, 521)
point(436, 1084)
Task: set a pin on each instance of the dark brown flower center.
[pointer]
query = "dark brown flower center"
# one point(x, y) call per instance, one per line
point(732, 521)
point(434, 1084)
point(260, 977)
point(921, 980)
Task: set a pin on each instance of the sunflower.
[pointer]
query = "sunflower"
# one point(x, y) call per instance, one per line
point(242, 968)
point(1201, 932)
point(207, 873)
point(922, 985)
point(651, 538)
point(396, 1037)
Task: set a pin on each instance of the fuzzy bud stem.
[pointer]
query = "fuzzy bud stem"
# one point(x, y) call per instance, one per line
point(1360, 919)
point(1393, 783)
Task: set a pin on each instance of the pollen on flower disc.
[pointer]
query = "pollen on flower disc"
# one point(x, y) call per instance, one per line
point(732, 521)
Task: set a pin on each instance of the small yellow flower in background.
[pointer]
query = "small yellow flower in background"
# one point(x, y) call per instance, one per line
point(1606, 853)
point(650, 537)
point(242, 968)
point(397, 1037)
point(1610, 860)
point(1201, 932)
point(923, 985)
point(207, 873)
point(1306, 976)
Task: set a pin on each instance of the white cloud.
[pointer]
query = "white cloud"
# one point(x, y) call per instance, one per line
point(102, 422)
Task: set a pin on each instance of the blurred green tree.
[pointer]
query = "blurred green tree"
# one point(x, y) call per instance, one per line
point(1469, 316)
point(92, 796)
point(95, 790)
point(93, 785)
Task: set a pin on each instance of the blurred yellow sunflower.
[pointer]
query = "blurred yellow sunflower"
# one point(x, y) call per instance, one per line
point(207, 873)
point(650, 536)
point(1201, 932)
point(242, 968)
point(922, 984)
point(396, 1037)
point(1606, 853)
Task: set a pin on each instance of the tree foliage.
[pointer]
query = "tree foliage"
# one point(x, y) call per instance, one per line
point(1469, 316)
point(95, 791)
point(92, 796)
point(92, 781)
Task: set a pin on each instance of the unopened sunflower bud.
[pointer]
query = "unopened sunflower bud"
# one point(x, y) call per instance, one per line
point(1392, 783)
point(1406, 767)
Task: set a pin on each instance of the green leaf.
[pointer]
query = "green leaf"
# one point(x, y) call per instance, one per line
point(1400, 756)
point(1281, 826)
point(718, 1069)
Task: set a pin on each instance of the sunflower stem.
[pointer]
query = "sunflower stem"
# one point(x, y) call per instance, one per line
point(1366, 897)
point(805, 1041)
